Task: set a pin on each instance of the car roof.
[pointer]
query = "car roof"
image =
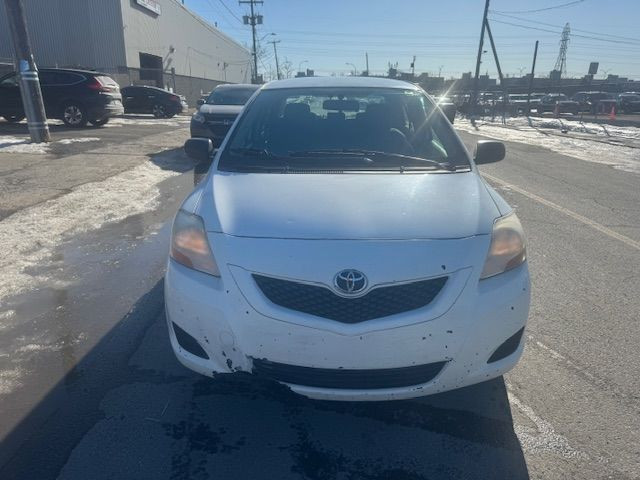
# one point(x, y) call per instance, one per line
point(355, 82)
point(73, 70)
point(236, 86)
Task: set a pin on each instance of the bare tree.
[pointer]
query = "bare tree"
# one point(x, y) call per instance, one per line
point(286, 67)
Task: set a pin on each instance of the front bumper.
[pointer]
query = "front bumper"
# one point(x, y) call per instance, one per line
point(112, 109)
point(463, 327)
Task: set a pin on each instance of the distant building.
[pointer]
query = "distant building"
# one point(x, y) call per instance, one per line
point(150, 42)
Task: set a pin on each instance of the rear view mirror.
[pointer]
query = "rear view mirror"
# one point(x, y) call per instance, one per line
point(449, 110)
point(341, 105)
point(200, 102)
point(199, 149)
point(489, 151)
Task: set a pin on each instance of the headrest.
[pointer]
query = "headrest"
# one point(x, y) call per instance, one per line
point(296, 110)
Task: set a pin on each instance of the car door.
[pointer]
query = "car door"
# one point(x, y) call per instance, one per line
point(151, 97)
point(10, 99)
point(49, 86)
point(131, 99)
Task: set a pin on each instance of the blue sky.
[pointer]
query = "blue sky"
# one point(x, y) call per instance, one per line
point(442, 34)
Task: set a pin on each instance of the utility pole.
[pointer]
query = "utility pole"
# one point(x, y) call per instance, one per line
point(27, 73)
point(275, 52)
point(366, 59)
point(474, 94)
point(533, 72)
point(253, 20)
point(495, 56)
point(413, 66)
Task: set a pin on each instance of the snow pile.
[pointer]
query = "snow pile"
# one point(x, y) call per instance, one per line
point(28, 237)
point(177, 121)
point(21, 145)
point(68, 141)
point(596, 150)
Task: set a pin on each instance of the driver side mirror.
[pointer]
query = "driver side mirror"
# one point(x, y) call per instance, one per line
point(449, 110)
point(200, 102)
point(489, 151)
point(199, 149)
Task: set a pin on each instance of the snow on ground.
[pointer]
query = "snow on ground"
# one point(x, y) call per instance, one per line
point(24, 145)
point(67, 141)
point(29, 236)
point(21, 145)
point(597, 148)
point(177, 121)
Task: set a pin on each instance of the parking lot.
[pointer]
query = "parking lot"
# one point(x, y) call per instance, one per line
point(89, 386)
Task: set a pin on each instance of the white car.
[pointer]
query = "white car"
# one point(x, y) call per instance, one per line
point(343, 243)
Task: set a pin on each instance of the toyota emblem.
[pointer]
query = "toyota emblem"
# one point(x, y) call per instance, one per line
point(350, 282)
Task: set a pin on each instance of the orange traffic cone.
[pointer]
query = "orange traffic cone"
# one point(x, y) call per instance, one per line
point(612, 114)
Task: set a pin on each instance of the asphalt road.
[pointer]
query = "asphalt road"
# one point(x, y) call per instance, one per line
point(111, 402)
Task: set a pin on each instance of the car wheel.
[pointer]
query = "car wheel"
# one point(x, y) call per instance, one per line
point(74, 116)
point(99, 122)
point(170, 115)
point(159, 111)
point(14, 118)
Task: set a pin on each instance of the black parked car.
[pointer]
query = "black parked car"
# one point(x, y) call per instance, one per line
point(73, 96)
point(629, 102)
point(550, 101)
point(144, 99)
point(218, 112)
point(594, 102)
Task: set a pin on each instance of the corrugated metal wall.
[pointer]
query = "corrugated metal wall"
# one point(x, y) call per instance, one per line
point(108, 34)
point(200, 50)
point(78, 33)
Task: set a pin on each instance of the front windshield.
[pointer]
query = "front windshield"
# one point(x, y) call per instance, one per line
point(230, 96)
point(343, 129)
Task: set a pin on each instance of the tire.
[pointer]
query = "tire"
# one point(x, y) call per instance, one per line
point(159, 111)
point(74, 115)
point(170, 115)
point(99, 122)
point(14, 118)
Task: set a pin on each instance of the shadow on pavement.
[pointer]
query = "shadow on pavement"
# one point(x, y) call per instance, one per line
point(173, 159)
point(129, 410)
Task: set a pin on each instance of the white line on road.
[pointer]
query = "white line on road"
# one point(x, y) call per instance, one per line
point(576, 216)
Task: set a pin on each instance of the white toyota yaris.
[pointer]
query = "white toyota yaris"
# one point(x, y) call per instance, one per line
point(344, 243)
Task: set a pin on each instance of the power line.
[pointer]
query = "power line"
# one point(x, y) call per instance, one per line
point(231, 11)
point(558, 32)
point(563, 5)
point(558, 26)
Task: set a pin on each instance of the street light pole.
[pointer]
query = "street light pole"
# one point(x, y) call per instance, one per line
point(27, 73)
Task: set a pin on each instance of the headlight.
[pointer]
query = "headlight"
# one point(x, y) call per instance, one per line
point(508, 249)
point(190, 245)
point(198, 117)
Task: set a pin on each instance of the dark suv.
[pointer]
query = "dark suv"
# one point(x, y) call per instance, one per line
point(73, 96)
point(218, 112)
point(145, 99)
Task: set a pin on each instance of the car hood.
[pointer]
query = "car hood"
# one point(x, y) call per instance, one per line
point(350, 206)
point(222, 109)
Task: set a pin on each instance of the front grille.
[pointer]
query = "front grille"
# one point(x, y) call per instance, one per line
point(347, 379)
point(322, 302)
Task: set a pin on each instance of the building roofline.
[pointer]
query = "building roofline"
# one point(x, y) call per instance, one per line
point(210, 27)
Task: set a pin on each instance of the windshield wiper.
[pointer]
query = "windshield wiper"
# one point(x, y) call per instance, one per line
point(253, 152)
point(371, 156)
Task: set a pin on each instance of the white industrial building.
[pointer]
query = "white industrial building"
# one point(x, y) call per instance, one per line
point(151, 42)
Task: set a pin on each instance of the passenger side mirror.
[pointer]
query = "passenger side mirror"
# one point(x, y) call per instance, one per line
point(200, 102)
point(489, 151)
point(199, 149)
point(449, 110)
